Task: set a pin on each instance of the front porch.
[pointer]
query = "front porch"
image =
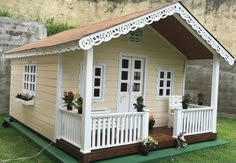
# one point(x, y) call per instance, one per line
point(162, 134)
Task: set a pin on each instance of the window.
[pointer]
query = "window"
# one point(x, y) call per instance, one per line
point(29, 84)
point(164, 83)
point(136, 37)
point(98, 82)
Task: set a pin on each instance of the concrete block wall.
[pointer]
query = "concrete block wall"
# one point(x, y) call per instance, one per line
point(14, 33)
point(198, 78)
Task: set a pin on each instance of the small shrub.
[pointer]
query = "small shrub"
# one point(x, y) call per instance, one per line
point(54, 28)
point(4, 13)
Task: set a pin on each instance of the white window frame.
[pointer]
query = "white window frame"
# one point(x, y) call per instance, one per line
point(27, 76)
point(102, 82)
point(165, 79)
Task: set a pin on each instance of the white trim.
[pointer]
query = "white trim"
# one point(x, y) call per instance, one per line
point(102, 78)
point(139, 22)
point(58, 97)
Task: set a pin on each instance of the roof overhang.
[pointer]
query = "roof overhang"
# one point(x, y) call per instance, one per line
point(203, 44)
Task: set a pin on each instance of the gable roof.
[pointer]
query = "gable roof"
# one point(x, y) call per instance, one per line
point(92, 35)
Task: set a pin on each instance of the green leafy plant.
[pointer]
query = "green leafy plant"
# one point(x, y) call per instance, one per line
point(68, 99)
point(78, 103)
point(54, 28)
point(151, 122)
point(148, 144)
point(181, 141)
point(139, 104)
point(5, 13)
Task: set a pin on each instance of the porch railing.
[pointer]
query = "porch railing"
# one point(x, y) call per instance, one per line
point(108, 130)
point(71, 127)
point(116, 129)
point(195, 120)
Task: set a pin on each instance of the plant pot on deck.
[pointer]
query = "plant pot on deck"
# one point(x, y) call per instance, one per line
point(69, 107)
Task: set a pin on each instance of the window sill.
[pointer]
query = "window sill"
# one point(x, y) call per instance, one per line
point(27, 103)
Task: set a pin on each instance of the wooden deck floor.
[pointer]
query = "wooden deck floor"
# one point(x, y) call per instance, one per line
point(162, 134)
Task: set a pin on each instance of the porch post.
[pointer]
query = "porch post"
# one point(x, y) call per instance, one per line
point(177, 125)
point(58, 97)
point(87, 102)
point(214, 90)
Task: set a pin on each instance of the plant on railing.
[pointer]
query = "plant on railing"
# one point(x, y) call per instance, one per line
point(186, 100)
point(181, 141)
point(68, 99)
point(148, 144)
point(201, 97)
point(139, 104)
point(78, 103)
point(151, 122)
point(24, 96)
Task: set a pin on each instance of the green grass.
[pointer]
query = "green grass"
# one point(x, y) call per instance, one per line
point(222, 154)
point(13, 144)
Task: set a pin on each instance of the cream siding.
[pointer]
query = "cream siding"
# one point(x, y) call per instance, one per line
point(41, 116)
point(159, 54)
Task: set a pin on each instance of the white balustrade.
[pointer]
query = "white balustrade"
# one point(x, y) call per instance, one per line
point(116, 129)
point(195, 120)
point(71, 127)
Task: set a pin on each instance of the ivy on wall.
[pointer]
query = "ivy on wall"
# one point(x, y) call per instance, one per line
point(4, 13)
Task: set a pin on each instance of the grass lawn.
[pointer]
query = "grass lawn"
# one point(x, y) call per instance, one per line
point(222, 154)
point(13, 144)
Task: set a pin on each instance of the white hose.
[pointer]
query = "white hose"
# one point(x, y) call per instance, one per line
point(25, 158)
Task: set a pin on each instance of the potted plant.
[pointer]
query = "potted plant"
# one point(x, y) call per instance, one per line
point(186, 101)
point(68, 99)
point(139, 104)
point(151, 122)
point(148, 144)
point(181, 141)
point(78, 103)
point(201, 97)
point(25, 99)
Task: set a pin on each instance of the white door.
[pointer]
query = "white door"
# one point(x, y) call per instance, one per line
point(130, 83)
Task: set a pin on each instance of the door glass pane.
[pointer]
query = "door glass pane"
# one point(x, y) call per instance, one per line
point(168, 84)
point(160, 92)
point(97, 71)
point(124, 75)
point(137, 75)
point(125, 63)
point(167, 92)
point(137, 64)
point(97, 82)
point(123, 87)
point(96, 92)
point(161, 83)
point(136, 87)
point(162, 75)
point(168, 75)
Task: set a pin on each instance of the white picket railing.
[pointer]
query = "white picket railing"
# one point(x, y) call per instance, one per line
point(71, 127)
point(116, 129)
point(108, 129)
point(193, 121)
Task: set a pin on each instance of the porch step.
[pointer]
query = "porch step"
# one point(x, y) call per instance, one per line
point(56, 153)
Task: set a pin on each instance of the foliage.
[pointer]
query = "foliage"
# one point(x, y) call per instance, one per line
point(139, 104)
point(54, 28)
point(148, 144)
point(68, 98)
point(4, 13)
point(186, 98)
point(78, 103)
point(16, 145)
point(181, 141)
point(151, 121)
point(25, 96)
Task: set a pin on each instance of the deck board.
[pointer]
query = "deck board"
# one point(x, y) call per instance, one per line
point(162, 134)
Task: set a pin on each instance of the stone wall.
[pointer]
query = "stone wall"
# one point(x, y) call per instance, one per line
point(14, 33)
point(219, 16)
point(198, 78)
